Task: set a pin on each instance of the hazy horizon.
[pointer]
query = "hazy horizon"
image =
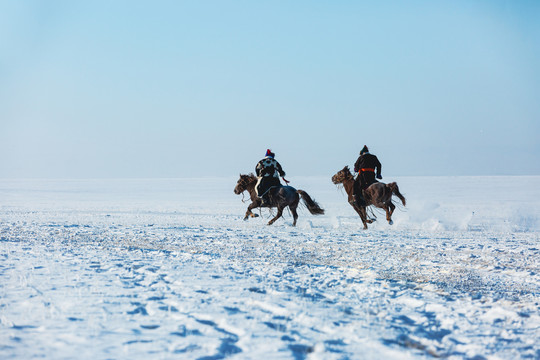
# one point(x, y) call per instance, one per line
point(200, 89)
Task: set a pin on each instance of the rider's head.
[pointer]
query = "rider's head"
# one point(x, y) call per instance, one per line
point(269, 153)
point(364, 150)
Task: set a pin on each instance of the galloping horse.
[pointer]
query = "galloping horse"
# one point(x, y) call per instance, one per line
point(280, 197)
point(377, 194)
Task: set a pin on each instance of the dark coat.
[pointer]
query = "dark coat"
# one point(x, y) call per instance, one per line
point(269, 167)
point(371, 166)
point(268, 171)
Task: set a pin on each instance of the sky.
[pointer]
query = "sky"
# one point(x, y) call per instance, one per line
point(166, 89)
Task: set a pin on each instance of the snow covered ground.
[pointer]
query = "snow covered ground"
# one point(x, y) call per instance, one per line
point(161, 269)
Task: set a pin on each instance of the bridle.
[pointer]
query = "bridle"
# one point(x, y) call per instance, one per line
point(243, 183)
point(342, 177)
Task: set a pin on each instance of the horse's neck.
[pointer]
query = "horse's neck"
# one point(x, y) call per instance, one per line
point(348, 185)
point(251, 190)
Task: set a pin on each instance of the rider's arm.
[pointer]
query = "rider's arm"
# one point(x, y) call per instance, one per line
point(357, 165)
point(280, 170)
point(258, 169)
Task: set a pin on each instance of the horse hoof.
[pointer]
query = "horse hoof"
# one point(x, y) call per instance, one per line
point(391, 222)
point(255, 215)
point(245, 219)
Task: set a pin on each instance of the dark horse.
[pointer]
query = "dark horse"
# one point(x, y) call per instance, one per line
point(280, 197)
point(377, 194)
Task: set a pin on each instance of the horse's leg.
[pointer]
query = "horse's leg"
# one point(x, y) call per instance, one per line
point(361, 211)
point(251, 206)
point(294, 213)
point(390, 210)
point(293, 206)
point(355, 206)
point(388, 214)
point(363, 216)
point(278, 215)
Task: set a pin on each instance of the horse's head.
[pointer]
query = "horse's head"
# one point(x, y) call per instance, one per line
point(342, 175)
point(243, 182)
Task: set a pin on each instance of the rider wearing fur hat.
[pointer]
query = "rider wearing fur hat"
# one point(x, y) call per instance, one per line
point(366, 166)
point(268, 171)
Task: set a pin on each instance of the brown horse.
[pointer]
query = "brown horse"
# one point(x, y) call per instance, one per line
point(377, 194)
point(280, 197)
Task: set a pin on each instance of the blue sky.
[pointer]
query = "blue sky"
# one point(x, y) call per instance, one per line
point(202, 88)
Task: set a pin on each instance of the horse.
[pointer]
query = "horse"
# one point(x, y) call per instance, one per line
point(280, 197)
point(377, 194)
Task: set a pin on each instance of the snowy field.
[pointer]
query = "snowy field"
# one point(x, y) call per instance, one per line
point(167, 269)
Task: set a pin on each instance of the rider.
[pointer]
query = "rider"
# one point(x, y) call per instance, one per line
point(366, 166)
point(268, 171)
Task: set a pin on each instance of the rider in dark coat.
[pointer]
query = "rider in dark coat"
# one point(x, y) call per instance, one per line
point(366, 166)
point(268, 171)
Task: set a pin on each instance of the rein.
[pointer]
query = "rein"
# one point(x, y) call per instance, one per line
point(245, 183)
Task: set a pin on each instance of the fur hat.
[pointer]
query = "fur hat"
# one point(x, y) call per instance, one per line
point(364, 150)
point(269, 153)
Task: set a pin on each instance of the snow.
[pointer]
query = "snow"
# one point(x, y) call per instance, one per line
point(166, 268)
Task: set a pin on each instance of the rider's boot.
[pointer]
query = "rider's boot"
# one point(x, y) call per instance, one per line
point(359, 199)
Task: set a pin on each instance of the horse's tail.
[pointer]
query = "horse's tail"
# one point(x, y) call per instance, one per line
point(395, 190)
point(311, 204)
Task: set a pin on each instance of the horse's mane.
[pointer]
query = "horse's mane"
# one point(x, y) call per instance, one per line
point(251, 176)
point(349, 173)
